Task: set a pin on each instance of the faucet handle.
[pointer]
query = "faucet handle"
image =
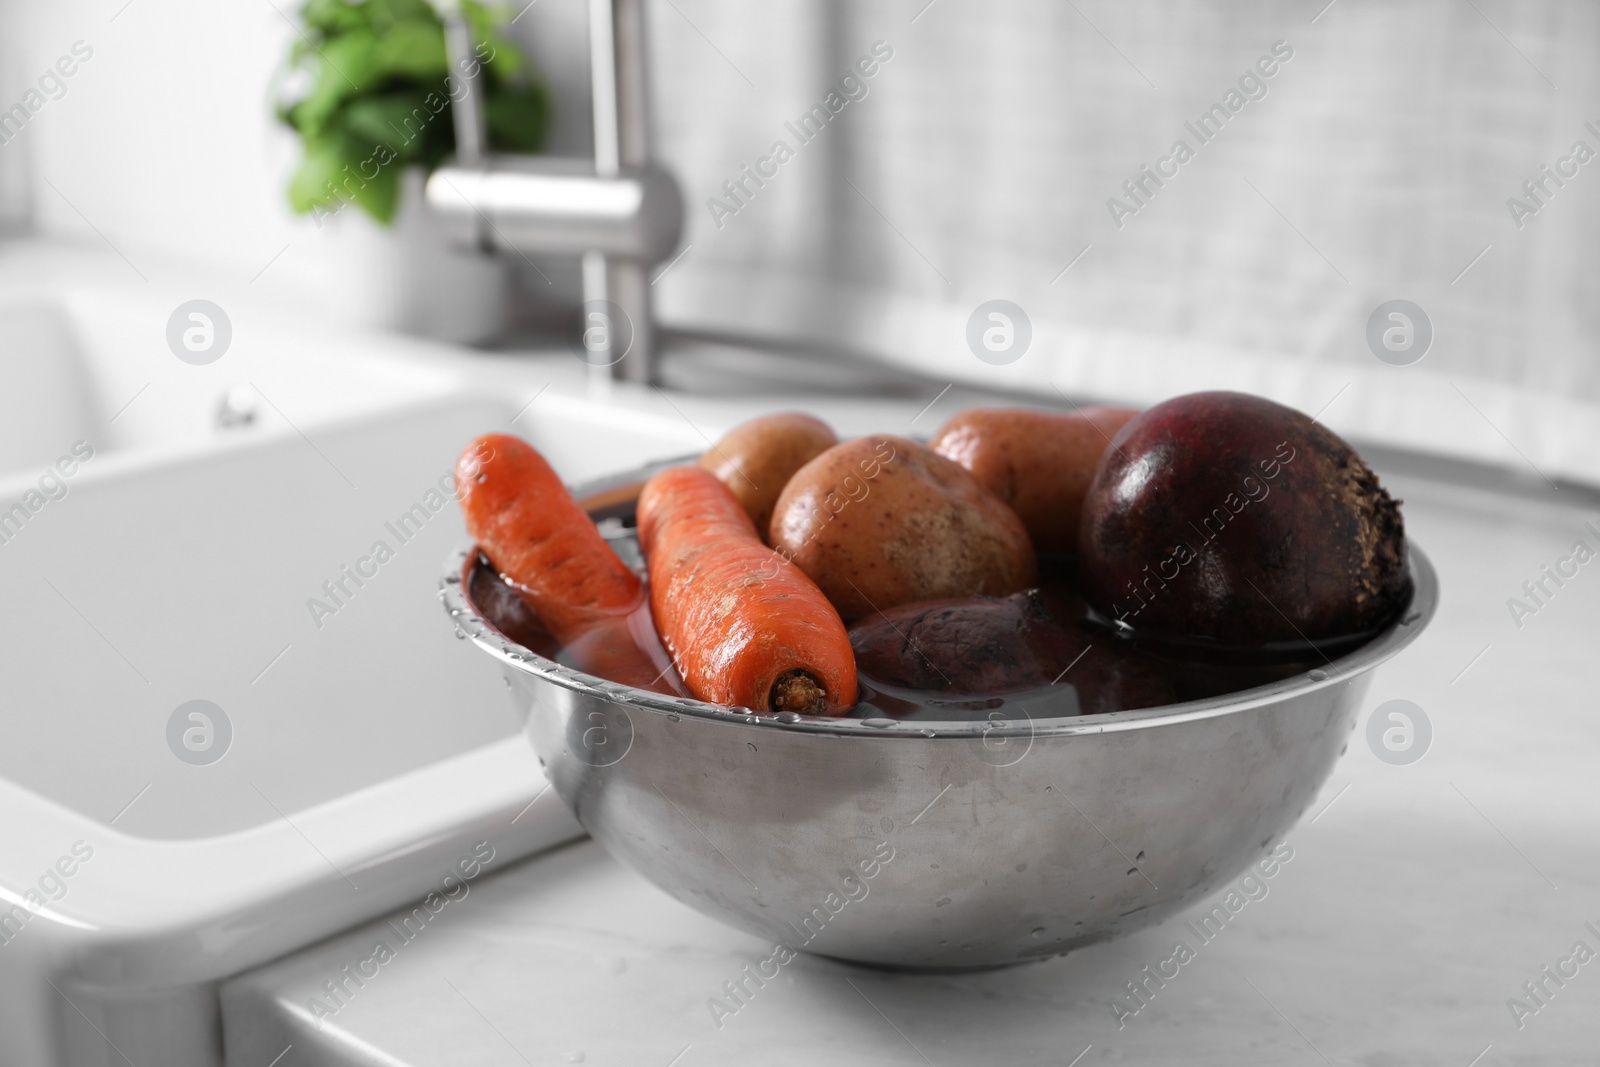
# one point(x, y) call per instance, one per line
point(532, 205)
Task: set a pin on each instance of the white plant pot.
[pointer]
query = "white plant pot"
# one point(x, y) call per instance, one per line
point(409, 277)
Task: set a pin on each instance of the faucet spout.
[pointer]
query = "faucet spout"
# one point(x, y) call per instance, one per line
point(619, 211)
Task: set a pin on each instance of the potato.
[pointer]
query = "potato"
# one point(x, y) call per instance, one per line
point(882, 521)
point(1039, 462)
point(756, 459)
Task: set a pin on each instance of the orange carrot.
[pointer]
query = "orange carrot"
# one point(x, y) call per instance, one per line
point(743, 626)
point(526, 522)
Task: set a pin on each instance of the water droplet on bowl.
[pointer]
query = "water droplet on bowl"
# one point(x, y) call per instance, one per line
point(1319, 675)
point(925, 732)
point(1411, 618)
point(788, 716)
point(1038, 931)
point(877, 724)
point(673, 716)
point(752, 747)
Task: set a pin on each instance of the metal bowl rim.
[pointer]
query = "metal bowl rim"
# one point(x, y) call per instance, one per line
point(1400, 633)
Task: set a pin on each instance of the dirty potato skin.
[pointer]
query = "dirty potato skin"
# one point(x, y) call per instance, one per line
point(882, 521)
point(1039, 462)
point(756, 459)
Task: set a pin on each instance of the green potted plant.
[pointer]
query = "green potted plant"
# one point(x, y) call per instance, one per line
point(369, 95)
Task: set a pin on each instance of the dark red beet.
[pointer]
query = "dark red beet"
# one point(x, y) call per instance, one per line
point(986, 646)
point(1230, 520)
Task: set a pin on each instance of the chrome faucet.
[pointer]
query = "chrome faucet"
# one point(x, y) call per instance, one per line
point(621, 213)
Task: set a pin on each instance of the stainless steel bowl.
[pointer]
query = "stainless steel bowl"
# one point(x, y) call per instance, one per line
point(937, 844)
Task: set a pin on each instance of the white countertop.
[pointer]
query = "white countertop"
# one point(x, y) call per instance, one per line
point(1418, 900)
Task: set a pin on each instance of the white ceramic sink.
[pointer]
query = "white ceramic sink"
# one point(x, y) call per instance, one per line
point(94, 365)
point(168, 560)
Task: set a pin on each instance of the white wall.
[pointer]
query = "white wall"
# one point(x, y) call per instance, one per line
point(978, 167)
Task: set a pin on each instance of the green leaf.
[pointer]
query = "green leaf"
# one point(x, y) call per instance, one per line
point(335, 171)
point(384, 118)
point(342, 65)
point(505, 62)
point(380, 195)
point(314, 181)
point(410, 49)
point(480, 18)
point(401, 120)
point(334, 16)
point(517, 119)
point(386, 13)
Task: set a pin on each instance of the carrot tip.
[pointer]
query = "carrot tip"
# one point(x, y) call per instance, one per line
point(798, 691)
